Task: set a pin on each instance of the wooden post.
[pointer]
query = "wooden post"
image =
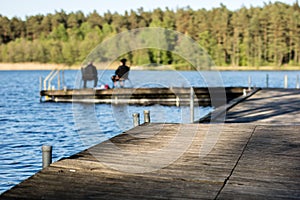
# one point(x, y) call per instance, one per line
point(249, 82)
point(116, 100)
point(63, 78)
point(58, 80)
point(177, 101)
point(285, 81)
point(146, 116)
point(267, 80)
point(47, 155)
point(297, 81)
point(136, 119)
point(41, 87)
point(244, 92)
point(192, 105)
point(41, 83)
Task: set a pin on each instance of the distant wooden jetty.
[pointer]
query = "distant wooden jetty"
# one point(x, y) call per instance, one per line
point(254, 155)
point(144, 96)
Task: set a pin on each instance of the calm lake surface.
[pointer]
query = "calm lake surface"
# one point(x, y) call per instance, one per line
point(26, 124)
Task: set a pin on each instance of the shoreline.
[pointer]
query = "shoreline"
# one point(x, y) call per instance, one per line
point(42, 66)
point(28, 66)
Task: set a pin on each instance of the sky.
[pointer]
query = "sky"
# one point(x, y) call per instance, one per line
point(21, 8)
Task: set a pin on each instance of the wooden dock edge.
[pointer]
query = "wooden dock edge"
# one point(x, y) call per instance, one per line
point(219, 113)
point(175, 96)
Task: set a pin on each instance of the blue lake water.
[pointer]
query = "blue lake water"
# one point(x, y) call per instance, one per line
point(26, 124)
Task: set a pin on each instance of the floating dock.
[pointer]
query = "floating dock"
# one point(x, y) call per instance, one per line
point(144, 96)
point(253, 155)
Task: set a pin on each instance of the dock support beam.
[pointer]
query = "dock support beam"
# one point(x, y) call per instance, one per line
point(58, 80)
point(63, 78)
point(47, 155)
point(136, 119)
point(41, 83)
point(146, 116)
point(41, 87)
point(285, 81)
point(192, 105)
point(249, 83)
point(297, 82)
point(244, 92)
point(267, 80)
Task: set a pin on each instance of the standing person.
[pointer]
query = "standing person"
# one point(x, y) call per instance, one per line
point(89, 73)
point(121, 73)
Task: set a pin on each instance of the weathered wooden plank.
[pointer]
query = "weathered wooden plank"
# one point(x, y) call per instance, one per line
point(259, 192)
point(269, 167)
point(276, 106)
point(188, 177)
point(113, 186)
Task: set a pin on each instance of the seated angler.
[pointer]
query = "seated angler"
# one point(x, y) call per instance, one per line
point(89, 73)
point(121, 74)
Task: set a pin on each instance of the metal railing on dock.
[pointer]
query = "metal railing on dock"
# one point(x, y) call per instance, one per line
point(46, 84)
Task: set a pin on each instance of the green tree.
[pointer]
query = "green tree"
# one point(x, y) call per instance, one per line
point(5, 30)
point(59, 33)
point(33, 27)
point(94, 19)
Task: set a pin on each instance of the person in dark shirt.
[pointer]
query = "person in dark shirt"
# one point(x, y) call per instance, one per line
point(89, 73)
point(121, 74)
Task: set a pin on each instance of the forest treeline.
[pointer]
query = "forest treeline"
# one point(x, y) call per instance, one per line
point(255, 36)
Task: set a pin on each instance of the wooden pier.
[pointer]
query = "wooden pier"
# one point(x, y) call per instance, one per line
point(254, 155)
point(143, 96)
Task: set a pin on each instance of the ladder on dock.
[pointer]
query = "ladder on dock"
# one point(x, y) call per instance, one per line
point(46, 84)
